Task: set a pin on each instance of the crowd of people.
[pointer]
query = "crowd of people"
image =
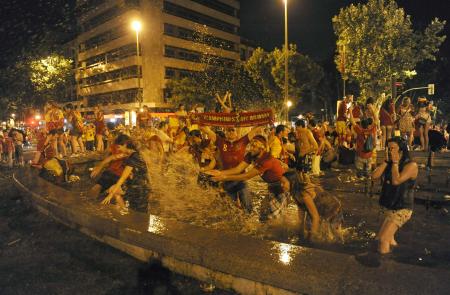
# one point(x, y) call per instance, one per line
point(285, 157)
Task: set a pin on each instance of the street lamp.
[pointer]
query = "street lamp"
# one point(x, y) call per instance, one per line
point(137, 27)
point(286, 48)
point(288, 106)
point(13, 115)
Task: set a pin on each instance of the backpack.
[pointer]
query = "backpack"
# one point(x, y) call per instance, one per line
point(368, 143)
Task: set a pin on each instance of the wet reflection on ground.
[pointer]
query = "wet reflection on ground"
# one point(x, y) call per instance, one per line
point(425, 240)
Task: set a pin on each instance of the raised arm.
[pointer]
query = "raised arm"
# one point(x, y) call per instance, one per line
point(352, 120)
point(211, 134)
point(379, 171)
point(409, 172)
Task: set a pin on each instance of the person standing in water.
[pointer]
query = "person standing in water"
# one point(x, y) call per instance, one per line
point(399, 173)
point(99, 123)
point(231, 151)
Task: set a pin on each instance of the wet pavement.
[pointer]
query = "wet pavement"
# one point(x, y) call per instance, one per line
point(424, 241)
point(41, 256)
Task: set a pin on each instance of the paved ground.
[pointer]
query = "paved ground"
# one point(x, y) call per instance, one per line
point(78, 264)
point(40, 256)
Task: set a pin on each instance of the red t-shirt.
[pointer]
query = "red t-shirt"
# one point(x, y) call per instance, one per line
point(361, 136)
point(357, 113)
point(318, 134)
point(342, 111)
point(232, 153)
point(269, 167)
point(8, 145)
point(116, 166)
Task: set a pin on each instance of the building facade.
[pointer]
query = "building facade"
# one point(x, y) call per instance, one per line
point(175, 36)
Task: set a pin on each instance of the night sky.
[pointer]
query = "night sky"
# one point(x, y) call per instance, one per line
point(310, 24)
point(25, 21)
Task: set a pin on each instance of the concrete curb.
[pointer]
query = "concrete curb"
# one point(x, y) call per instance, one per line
point(227, 260)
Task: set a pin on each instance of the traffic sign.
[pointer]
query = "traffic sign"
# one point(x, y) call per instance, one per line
point(430, 89)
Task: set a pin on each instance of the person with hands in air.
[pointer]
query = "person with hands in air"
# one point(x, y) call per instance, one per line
point(399, 173)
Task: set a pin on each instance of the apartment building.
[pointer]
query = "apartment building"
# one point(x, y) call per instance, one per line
point(175, 34)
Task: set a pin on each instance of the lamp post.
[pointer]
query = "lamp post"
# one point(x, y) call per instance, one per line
point(286, 57)
point(137, 27)
point(288, 106)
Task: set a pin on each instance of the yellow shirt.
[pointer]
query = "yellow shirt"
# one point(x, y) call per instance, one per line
point(275, 147)
point(90, 134)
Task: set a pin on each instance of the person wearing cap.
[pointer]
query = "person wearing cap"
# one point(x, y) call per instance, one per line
point(264, 165)
point(399, 174)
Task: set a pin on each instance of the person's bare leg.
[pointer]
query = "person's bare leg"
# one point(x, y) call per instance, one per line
point(37, 157)
point(81, 144)
point(387, 237)
point(425, 135)
point(302, 222)
point(99, 147)
point(411, 138)
point(74, 144)
point(383, 137)
point(315, 217)
point(62, 147)
point(388, 132)
point(94, 191)
point(422, 137)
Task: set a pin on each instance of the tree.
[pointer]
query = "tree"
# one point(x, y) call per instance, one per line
point(268, 69)
point(376, 41)
point(217, 76)
point(202, 87)
point(49, 75)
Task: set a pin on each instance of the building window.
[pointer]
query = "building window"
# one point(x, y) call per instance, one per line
point(87, 5)
point(181, 53)
point(170, 73)
point(243, 56)
point(108, 15)
point(167, 94)
point(200, 18)
point(108, 77)
point(104, 38)
point(110, 56)
point(175, 73)
point(219, 6)
point(114, 97)
point(195, 56)
point(190, 35)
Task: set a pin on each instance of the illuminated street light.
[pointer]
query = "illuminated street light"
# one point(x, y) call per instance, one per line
point(137, 27)
point(286, 48)
point(37, 117)
point(288, 105)
point(13, 115)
